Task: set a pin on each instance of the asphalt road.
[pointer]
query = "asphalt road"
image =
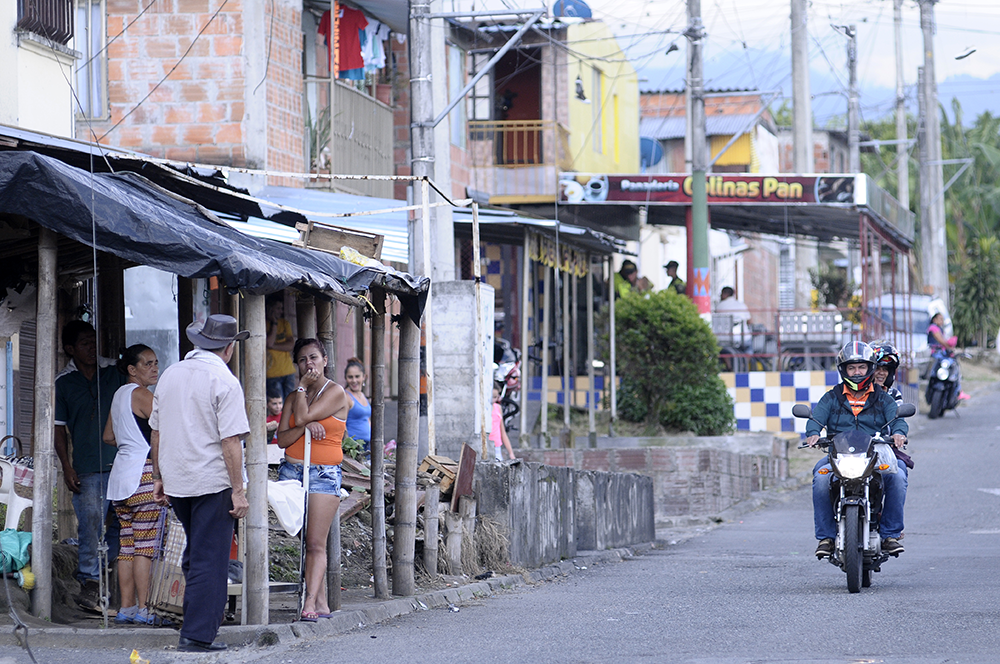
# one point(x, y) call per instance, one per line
point(748, 591)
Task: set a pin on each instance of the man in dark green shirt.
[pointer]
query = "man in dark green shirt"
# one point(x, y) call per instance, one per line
point(675, 282)
point(83, 402)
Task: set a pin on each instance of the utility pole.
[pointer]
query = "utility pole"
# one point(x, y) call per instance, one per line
point(853, 150)
point(926, 254)
point(421, 117)
point(699, 281)
point(932, 215)
point(902, 149)
point(802, 141)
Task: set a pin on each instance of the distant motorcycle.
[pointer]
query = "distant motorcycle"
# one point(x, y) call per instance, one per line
point(944, 384)
point(857, 460)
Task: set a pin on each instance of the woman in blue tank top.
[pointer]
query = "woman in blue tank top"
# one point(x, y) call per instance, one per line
point(359, 418)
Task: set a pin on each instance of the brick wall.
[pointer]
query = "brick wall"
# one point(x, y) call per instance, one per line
point(687, 481)
point(401, 114)
point(285, 121)
point(197, 112)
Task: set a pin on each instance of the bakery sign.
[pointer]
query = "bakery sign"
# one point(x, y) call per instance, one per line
point(675, 189)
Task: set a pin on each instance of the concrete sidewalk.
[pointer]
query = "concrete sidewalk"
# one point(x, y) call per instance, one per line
point(356, 612)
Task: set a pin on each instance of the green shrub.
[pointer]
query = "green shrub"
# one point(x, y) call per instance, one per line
point(667, 357)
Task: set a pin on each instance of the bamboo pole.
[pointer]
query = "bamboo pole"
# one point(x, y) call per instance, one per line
point(43, 448)
point(407, 435)
point(611, 335)
point(432, 507)
point(255, 524)
point(230, 305)
point(378, 444)
point(305, 316)
point(326, 332)
point(333, 572)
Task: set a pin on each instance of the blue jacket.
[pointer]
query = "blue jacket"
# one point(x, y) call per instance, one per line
point(834, 412)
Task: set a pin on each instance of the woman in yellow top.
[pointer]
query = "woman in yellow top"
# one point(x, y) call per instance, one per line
point(320, 405)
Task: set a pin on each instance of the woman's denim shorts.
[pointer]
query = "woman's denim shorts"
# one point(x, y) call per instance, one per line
point(322, 479)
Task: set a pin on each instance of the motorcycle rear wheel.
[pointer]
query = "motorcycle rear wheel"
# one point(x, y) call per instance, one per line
point(853, 558)
point(937, 405)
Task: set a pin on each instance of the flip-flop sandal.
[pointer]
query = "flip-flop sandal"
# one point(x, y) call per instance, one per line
point(309, 616)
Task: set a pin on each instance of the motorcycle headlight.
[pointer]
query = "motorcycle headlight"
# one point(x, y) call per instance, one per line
point(850, 466)
point(942, 372)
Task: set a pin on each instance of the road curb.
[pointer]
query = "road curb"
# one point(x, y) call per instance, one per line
point(147, 638)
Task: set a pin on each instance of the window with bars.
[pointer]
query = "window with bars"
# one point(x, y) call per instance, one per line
point(52, 19)
point(91, 69)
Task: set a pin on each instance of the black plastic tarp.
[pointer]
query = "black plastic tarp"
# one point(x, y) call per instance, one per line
point(126, 215)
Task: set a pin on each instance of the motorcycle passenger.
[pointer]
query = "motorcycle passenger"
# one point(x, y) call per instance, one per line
point(935, 335)
point(858, 404)
point(886, 363)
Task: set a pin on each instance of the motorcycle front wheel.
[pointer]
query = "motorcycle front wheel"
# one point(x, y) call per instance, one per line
point(937, 405)
point(853, 558)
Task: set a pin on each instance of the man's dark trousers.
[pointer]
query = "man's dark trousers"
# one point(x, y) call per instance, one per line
point(209, 529)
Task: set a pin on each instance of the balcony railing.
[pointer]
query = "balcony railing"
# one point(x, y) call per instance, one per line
point(518, 158)
point(49, 18)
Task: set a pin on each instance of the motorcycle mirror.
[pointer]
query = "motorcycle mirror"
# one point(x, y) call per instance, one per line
point(802, 410)
point(905, 410)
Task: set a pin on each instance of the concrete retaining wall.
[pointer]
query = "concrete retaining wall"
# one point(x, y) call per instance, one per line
point(688, 480)
point(551, 512)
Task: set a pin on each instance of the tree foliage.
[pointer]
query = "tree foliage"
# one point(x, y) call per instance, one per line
point(977, 293)
point(667, 357)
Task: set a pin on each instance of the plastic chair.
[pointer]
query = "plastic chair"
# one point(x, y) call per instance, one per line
point(8, 496)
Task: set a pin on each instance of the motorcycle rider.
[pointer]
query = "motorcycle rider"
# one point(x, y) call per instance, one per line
point(886, 363)
point(857, 404)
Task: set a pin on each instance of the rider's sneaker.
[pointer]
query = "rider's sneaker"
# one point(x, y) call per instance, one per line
point(825, 548)
point(892, 546)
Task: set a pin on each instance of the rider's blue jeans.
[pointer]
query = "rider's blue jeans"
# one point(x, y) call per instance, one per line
point(893, 486)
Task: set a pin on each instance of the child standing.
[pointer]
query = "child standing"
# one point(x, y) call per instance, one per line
point(498, 432)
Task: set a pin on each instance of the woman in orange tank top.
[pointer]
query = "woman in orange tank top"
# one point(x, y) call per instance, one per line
point(320, 405)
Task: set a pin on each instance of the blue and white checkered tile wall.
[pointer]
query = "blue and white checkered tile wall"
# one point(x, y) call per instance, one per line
point(763, 400)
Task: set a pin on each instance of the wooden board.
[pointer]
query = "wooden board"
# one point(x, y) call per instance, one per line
point(354, 503)
point(463, 479)
point(331, 238)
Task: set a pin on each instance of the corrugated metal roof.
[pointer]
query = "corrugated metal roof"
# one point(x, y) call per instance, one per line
point(673, 127)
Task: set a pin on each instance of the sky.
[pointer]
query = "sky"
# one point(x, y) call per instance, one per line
point(748, 46)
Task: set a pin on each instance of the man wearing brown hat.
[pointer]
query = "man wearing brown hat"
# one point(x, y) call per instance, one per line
point(198, 419)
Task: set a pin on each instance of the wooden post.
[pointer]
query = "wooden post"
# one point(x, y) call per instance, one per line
point(407, 435)
point(185, 313)
point(43, 448)
point(326, 332)
point(546, 323)
point(467, 512)
point(333, 573)
point(230, 305)
point(527, 312)
point(566, 434)
point(111, 305)
point(453, 541)
point(591, 406)
point(305, 314)
point(378, 444)
point(432, 508)
point(255, 576)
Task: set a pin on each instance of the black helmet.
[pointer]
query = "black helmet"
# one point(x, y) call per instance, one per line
point(854, 353)
point(887, 358)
